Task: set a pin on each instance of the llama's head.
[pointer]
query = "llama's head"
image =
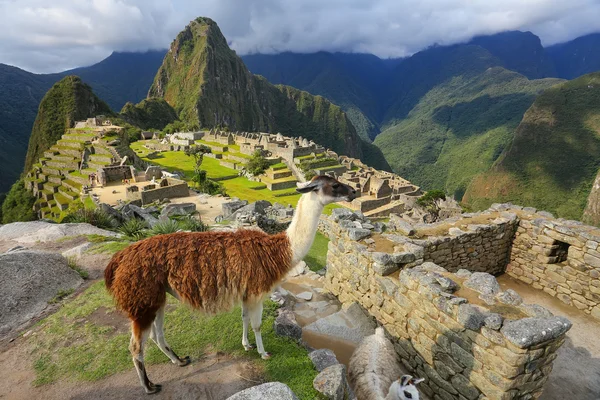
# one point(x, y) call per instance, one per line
point(327, 189)
point(405, 388)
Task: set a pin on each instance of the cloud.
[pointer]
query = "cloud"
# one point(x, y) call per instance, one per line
point(52, 36)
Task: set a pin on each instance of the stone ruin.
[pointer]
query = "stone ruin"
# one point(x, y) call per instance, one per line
point(432, 287)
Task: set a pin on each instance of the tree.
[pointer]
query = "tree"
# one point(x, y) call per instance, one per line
point(18, 205)
point(203, 183)
point(429, 201)
point(257, 164)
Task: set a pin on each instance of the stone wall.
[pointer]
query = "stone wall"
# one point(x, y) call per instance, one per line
point(176, 188)
point(491, 347)
point(115, 173)
point(478, 247)
point(560, 257)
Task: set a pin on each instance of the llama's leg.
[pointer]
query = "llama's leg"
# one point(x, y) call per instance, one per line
point(139, 335)
point(256, 310)
point(246, 322)
point(157, 334)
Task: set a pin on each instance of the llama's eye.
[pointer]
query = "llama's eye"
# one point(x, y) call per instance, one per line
point(407, 395)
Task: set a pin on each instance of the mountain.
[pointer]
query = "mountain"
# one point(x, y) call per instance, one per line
point(151, 113)
point(455, 112)
point(577, 57)
point(521, 52)
point(208, 85)
point(120, 78)
point(68, 101)
point(553, 159)
point(352, 81)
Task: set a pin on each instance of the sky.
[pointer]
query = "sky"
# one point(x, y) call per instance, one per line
point(50, 36)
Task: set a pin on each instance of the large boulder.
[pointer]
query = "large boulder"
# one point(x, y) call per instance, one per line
point(30, 279)
point(332, 383)
point(323, 358)
point(266, 391)
point(40, 231)
point(258, 207)
point(286, 325)
point(350, 324)
point(133, 211)
point(231, 207)
point(174, 209)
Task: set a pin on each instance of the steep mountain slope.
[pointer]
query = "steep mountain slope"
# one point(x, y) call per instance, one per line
point(577, 57)
point(521, 52)
point(457, 128)
point(20, 95)
point(355, 82)
point(554, 156)
point(67, 101)
point(149, 113)
point(208, 85)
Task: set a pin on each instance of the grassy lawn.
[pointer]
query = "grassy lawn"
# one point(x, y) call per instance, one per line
point(317, 256)
point(70, 345)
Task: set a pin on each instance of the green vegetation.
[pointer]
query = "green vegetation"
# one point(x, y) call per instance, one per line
point(428, 201)
point(151, 113)
point(316, 258)
point(96, 217)
point(134, 228)
point(188, 85)
point(18, 204)
point(457, 129)
point(68, 101)
point(73, 343)
point(554, 156)
point(60, 295)
point(258, 164)
point(72, 263)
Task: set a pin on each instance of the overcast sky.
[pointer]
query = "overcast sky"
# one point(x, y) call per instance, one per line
point(51, 36)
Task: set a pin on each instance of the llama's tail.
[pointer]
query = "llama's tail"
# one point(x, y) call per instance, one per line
point(109, 272)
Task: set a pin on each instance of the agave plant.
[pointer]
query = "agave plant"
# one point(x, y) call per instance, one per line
point(134, 228)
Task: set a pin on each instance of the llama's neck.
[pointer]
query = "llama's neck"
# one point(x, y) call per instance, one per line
point(303, 228)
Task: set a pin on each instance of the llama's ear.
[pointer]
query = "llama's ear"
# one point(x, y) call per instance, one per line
point(306, 187)
point(415, 381)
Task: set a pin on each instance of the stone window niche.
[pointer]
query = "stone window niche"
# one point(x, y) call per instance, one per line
point(558, 252)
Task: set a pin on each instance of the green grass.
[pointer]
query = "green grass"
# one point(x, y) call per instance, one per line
point(316, 258)
point(109, 247)
point(69, 345)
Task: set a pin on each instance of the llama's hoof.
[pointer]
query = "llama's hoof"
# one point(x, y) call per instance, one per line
point(185, 361)
point(265, 356)
point(153, 389)
point(249, 347)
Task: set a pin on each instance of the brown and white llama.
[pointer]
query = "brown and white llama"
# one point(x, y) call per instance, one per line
point(213, 271)
point(373, 370)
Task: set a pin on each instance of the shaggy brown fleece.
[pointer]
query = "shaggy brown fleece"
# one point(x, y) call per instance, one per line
point(211, 271)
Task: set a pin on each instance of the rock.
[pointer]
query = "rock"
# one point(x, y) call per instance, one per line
point(298, 269)
point(382, 258)
point(139, 212)
point(378, 227)
point(258, 207)
point(535, 310)
point(509, 297)
point(455, 231)
point(266, 391)
point(339, 214)
point(231, 207)
point(493, 321)
point(323, 358)
point(39, 231)
point(483, 283)
point(403, 258)
point(173, 209)
point(368, 226)
point(15, 249)
point(110, 211)
point(350, 324)
point(29, 280)
point(77, 252)
point(332, 383)
point(528, 332)
point(545, 214)
point(463, 273)
point(400, 225)
point(305, 296)
point(385, 269)
point(358, 233)
point(285, 325)
point(471, 316)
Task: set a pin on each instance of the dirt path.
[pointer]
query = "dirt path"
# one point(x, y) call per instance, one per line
point(576, 373)
point(214, 377)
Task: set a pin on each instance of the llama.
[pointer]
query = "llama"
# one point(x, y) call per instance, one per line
point(373, 368)
point(212, 272)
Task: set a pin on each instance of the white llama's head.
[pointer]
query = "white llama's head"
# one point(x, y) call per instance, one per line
point(405, 388)
point(327, 189)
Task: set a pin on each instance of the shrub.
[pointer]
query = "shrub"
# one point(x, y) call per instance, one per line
point(257, 164)
point(165, 227)
point(94, 217)
point(134, 228)
point(192, 224)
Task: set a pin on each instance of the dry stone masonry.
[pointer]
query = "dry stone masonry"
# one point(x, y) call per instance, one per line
point(433, 289)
